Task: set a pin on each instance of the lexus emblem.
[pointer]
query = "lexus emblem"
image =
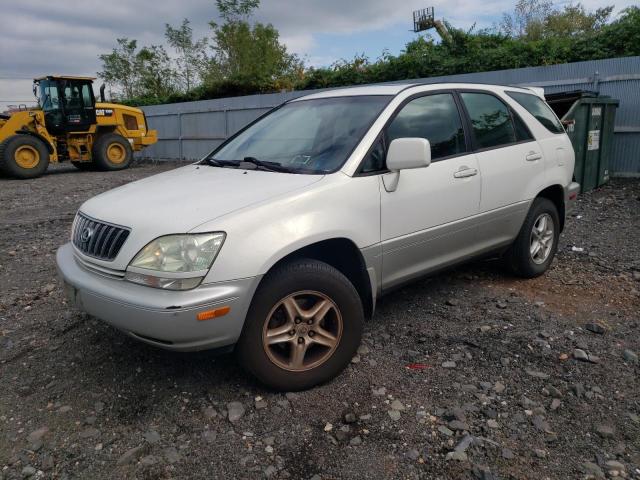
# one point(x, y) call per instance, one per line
point(85, 236)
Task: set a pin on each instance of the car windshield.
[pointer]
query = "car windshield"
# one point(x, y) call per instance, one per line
point(306, 136)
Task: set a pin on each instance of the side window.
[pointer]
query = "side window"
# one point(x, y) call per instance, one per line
point(490, 119)
point(522, 131)
point(375, 159)
point(50, 99)
point(434, 117)
point(86, 96)
point(539, 109)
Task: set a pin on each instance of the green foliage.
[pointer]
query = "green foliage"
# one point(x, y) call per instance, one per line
point(139, 73)
point(246, 54)
point(236, 10)
point(244, 58)
point(119, 66)
point(156, 76)
point(537, 19)
point(192, 60)
point(488, 50)
point(249, 58)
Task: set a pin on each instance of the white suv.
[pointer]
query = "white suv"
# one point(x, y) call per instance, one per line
point(281, 239)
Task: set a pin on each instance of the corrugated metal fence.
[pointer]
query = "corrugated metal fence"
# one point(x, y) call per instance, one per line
point(190, 130)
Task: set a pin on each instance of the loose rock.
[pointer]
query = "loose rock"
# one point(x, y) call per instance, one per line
point(605, 431)
point(595, 328)
point(394, 414)
point(630, 356)
point(235, 411)
point(130, 455)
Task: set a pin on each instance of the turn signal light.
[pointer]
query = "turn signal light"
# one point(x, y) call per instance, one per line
point(209, 314)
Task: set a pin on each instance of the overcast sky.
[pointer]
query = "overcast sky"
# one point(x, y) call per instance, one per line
point(66, 36)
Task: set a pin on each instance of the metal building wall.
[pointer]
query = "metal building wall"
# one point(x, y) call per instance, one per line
point(190, 130)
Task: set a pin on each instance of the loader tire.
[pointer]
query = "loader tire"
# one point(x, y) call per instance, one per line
point(23, 157)
point(112, 152)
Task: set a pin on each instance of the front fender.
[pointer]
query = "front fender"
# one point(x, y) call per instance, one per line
point(259, 236)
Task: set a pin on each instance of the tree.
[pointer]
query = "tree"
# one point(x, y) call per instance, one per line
point(119, 67)
point(236, 10)
point(527, 19)
point(138, 73)
point(246, 53)
point(536, 19)
point(575, 20)
point(156, 75)
point(192, 58)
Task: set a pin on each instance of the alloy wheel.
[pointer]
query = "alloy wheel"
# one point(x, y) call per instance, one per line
point(302, 331)
point(542, 238)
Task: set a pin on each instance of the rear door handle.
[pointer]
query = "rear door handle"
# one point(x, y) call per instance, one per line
point(533, 156)
point(464, 172)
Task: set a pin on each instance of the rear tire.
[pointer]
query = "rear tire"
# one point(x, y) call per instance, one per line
point(112, 152)
point(23, 156)
point(532, 252)
point(267, 347)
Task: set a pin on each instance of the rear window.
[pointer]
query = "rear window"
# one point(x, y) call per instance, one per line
point(539, 109)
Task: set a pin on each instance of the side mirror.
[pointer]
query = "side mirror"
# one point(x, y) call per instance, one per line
point(406, 153)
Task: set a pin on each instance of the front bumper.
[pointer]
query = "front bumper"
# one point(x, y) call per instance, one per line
point(163, 318)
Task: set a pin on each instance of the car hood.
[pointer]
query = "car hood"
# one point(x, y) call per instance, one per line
point(179, 200)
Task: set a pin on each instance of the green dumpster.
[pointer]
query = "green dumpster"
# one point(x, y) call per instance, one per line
point(589, 120)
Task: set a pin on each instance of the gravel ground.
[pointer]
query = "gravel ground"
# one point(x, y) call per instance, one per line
point(468, 374)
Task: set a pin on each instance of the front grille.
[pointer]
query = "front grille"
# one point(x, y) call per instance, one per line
point(98, 239)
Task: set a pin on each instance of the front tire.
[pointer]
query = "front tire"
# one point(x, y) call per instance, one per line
point(535, 246)
point(303, 327)
point(112, 152)
point(23, 156)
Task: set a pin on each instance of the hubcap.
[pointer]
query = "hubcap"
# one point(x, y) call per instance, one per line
point(27, 156)
point(302, 331)
point(116, 153)
point(541, 239)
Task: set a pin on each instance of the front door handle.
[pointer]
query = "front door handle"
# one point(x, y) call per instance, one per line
point(533, 156)
point(464, 172)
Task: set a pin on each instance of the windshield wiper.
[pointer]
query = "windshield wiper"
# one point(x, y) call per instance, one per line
point(249, 162)
point(270, 166)
point(221, 163)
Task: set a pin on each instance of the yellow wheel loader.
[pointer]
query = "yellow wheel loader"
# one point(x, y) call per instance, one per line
point(68, 125)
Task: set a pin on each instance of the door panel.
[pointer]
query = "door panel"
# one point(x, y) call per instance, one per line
point(428, 221)
point(511, 162)
point(79, 105)
point(510, 159)
point(507, 172)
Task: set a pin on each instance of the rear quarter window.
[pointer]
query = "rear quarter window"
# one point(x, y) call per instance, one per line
point(539, 109)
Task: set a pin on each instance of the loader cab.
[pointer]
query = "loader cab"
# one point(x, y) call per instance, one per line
point(67, 102)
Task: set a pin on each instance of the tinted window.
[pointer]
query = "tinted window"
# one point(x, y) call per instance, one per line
point(375, 159)
point(434, 117)
point(490, 119)
point(539, 109)
point(522, 131)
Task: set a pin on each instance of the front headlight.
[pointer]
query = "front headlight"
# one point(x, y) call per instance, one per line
point(182, 260)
